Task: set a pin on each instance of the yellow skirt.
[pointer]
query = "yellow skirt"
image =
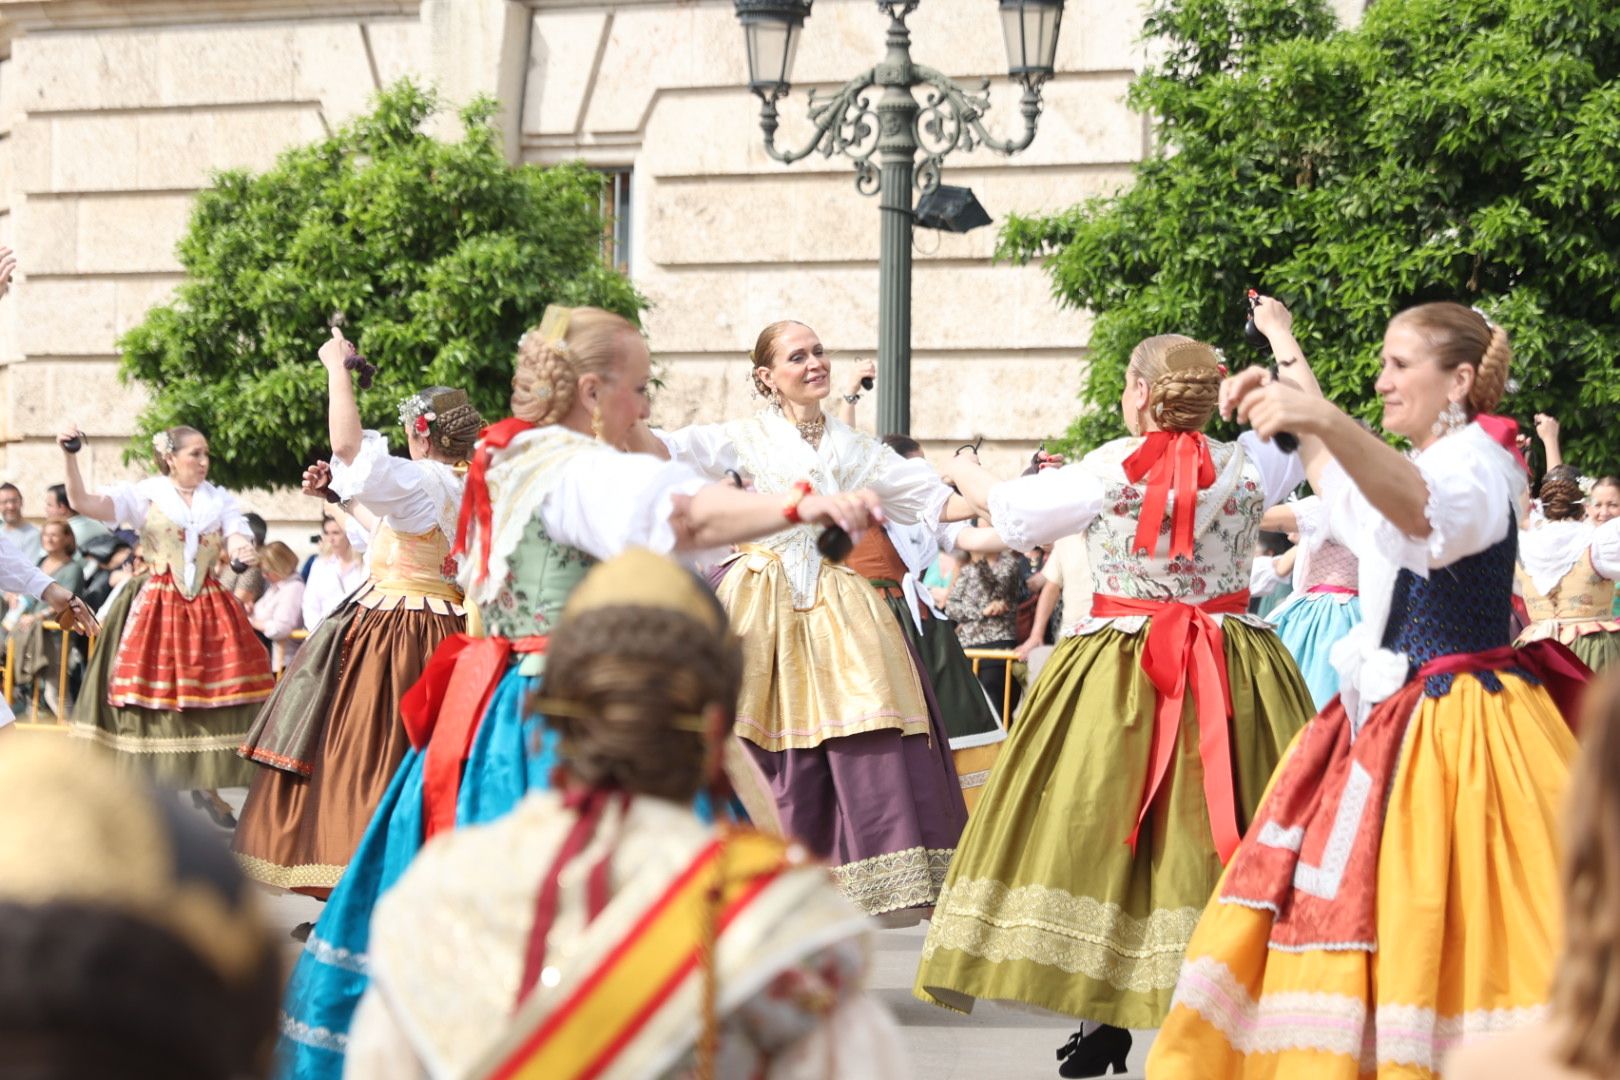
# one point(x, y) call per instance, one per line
point(840, 667)
point(1467, 915)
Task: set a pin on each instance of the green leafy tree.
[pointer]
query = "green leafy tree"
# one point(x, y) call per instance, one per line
point(438, 254)
point(1442, 149)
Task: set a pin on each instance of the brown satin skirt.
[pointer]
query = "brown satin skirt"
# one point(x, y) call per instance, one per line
point(298, 832)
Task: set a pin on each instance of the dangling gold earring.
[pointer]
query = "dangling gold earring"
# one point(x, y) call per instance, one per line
point(596, 422)
point(776, 400)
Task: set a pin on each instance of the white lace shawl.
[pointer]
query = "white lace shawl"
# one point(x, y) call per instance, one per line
point(211, 508)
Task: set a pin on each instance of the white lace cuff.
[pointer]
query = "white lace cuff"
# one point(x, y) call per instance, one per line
point(349, 480)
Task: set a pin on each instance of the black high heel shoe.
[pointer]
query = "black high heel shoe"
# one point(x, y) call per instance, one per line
point(1093, 1054)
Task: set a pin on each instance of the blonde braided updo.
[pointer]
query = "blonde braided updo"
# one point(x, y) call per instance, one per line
point(1183, 377)
point(546, 380)
point(1459, 335)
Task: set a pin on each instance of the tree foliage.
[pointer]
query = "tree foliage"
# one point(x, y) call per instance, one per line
point(1442, 149)
point(438, 254)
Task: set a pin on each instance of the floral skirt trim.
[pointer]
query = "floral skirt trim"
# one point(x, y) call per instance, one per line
point(894, 880)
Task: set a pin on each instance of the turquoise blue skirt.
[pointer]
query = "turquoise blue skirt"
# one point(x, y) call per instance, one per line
point(510, 757)
point(1308, 626)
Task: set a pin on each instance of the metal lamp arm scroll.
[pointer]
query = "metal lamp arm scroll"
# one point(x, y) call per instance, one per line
point(840, 123)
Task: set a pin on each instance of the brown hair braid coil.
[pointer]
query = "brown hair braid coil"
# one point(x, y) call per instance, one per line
point(454, 434)
point(1183, 377)
point(1458, 335)
point(634, 669)
point(1561, 496)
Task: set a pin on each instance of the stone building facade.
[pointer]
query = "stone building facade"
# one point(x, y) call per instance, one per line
point(114, 112)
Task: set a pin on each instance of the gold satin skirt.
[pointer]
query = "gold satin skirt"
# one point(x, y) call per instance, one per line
point(837, 668)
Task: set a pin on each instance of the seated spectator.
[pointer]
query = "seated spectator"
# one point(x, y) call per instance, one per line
point(23, 536)
point(37, 651)
point(108, 555)
point(132, 948)
point(57, 508)
point(279, 611)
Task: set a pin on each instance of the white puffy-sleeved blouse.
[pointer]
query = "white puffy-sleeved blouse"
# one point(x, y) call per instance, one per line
point(408, 496)
point(768, 449)
point(1550, 551)
point(1473, 486)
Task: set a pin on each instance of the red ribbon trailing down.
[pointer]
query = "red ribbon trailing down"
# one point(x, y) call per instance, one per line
point(1562, 672)
point(1182, 639)
point(441, 713)
point(475, 504)
point(590, 804)
point(1170, 459)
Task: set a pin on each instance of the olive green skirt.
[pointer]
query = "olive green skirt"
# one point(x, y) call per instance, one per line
point(1045, 902)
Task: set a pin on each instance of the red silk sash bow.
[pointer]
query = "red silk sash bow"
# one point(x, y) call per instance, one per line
point(1183, 640)
point(441, 713)
point(1337, 590)
point(475, 504)
point(1562, 672)
point(1170, 459)
point(591, 804)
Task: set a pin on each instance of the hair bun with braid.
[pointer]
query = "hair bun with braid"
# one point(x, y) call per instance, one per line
point(544, 382)
point(1184, 380)
point(1561, 496)
point(1491, 378)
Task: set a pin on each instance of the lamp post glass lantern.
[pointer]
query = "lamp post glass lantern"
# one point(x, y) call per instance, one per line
point(882, 138)
point(1031, 29)
point(771, 28)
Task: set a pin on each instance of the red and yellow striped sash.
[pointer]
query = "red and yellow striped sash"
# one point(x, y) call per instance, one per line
point(582, 1034)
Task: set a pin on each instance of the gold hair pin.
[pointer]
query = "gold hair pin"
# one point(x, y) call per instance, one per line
point(692, 722)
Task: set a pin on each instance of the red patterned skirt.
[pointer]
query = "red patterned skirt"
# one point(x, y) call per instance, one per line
point(180, 654)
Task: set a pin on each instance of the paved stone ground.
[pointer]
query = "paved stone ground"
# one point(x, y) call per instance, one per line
point(994, 1042)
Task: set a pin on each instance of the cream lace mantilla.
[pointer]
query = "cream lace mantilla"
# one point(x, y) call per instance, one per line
point(771, 451)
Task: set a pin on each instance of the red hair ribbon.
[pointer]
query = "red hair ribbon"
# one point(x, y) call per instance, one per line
point(475, 502)
point(1170, 459)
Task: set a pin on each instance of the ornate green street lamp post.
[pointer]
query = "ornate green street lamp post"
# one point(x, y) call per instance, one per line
point(883, 140)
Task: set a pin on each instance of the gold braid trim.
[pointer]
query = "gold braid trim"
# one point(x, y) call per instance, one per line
point(1078, 934)
point(301, 876)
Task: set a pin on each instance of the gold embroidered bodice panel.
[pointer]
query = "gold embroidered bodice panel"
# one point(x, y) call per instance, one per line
point(412, 567)
point(163, 546)
point(1582, 593)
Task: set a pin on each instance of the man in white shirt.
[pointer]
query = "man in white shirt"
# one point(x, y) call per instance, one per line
point(337, 571)
point(23, 536)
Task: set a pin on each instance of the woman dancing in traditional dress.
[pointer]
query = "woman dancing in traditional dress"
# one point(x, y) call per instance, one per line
point(547, 495)
point(1397, 892)
point(330, 738)
point(1146, 742)
point(715, 952)
point(180, 673)
point(1325, 605)
point(833, 712)
point(1567, 570)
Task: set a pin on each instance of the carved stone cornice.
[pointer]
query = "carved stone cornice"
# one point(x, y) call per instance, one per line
point(21, 16)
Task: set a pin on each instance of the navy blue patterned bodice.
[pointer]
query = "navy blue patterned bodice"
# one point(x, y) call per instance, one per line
point(1462, 608)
